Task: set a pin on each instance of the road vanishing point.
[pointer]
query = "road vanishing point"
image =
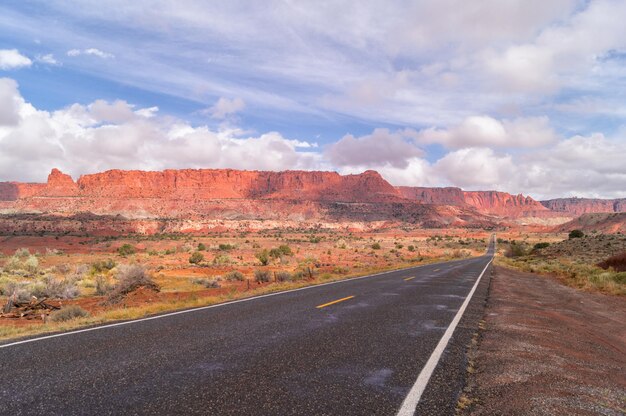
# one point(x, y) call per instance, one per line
point(393, 343)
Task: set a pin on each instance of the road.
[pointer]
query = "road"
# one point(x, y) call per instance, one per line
point(352, 347)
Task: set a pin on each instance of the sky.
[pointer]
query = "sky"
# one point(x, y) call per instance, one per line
point(523, 96)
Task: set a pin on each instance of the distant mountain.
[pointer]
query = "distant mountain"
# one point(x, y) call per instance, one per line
point(198, 199)
point(579, 206)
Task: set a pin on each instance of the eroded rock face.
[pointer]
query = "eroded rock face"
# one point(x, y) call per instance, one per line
point(218, 193)
point(486, 202)
point(579, 206)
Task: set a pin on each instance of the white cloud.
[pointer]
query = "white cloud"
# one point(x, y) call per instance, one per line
point(560, 51)
point(106, 135)
point(13, 59)
point(47, 59)
point(90, 51)
point(10, 102)
point(226, 107)
point(380, 148)
point(479, 131)
point(477, 167)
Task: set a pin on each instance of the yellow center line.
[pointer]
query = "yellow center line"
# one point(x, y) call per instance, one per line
point(409, 278)
point(333, 302)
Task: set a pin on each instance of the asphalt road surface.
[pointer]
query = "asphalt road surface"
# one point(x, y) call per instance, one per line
point(352, 347)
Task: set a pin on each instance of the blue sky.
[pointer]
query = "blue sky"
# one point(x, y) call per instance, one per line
point(522, 96)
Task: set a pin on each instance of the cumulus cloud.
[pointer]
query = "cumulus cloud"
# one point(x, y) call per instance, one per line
point(90, 51)
point(479, 131)
point(225, 107)
point(475, 167)
point(106, 135)
point(10, 102)
point(13, 59)
point(380, 148)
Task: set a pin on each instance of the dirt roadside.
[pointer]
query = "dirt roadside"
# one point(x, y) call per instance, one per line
point(547, 349)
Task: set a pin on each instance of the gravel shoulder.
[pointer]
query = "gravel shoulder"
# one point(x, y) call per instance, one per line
point(547, 349)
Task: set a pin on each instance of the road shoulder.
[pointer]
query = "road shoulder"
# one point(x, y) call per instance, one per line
point(545, 348)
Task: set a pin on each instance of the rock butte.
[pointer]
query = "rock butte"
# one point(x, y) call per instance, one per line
point(153, 201)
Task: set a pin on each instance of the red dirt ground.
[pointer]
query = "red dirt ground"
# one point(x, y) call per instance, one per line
point(549, 350)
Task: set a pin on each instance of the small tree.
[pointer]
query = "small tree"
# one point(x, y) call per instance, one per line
point(201, 247)
point(376, 246)
point(576, 234)
point(196, 258)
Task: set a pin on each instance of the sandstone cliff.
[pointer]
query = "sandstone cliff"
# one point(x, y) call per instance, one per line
point(579, 206)
point(486, 202)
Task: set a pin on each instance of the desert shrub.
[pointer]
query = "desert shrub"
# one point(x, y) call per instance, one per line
point(283, 276)
point(262, 276)
point(234, 276)
point(275, 253)
point(263, 257)
point(50, 287)
point(226, 247)
point(103, 287)
point(208, 283)
point(22, 253)
point(539, 246)
point(101, 266)
point(13, 263)
point(617, 262)
point(68, 313)
point(376, 246)
point(459, 254)
point(515, 250)
point(129, 279)
point(299, 275)
point(285, 250)
point(31, 264)
point(201, 247)
point(221, 259)
point(170, 251)
point(576, 234)
point(411, 248)
point(62, 268)
point(126, 250)
point(196, 258)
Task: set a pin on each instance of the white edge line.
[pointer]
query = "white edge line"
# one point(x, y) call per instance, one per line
point(165, 315)
point(412, 399)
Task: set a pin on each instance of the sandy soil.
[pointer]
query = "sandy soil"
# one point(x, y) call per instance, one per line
point(548, 349)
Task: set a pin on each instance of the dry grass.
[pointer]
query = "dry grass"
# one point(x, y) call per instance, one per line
point(128, 313)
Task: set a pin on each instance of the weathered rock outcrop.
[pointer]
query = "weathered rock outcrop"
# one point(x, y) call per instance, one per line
point(486, 202)
point(579, 206)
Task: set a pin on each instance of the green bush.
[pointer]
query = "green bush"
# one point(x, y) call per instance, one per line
point(126, 250)
point(411, 248)
point(68, 313)
point(201, 247)
point(285, 250)
point(196, 258)
point(539, 246)
point(376, 246)
point(576, 234)
point(103, 265)
point(263, 256)
point(226, 247)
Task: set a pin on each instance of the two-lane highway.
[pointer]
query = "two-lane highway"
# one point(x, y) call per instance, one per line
point(350, 347)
